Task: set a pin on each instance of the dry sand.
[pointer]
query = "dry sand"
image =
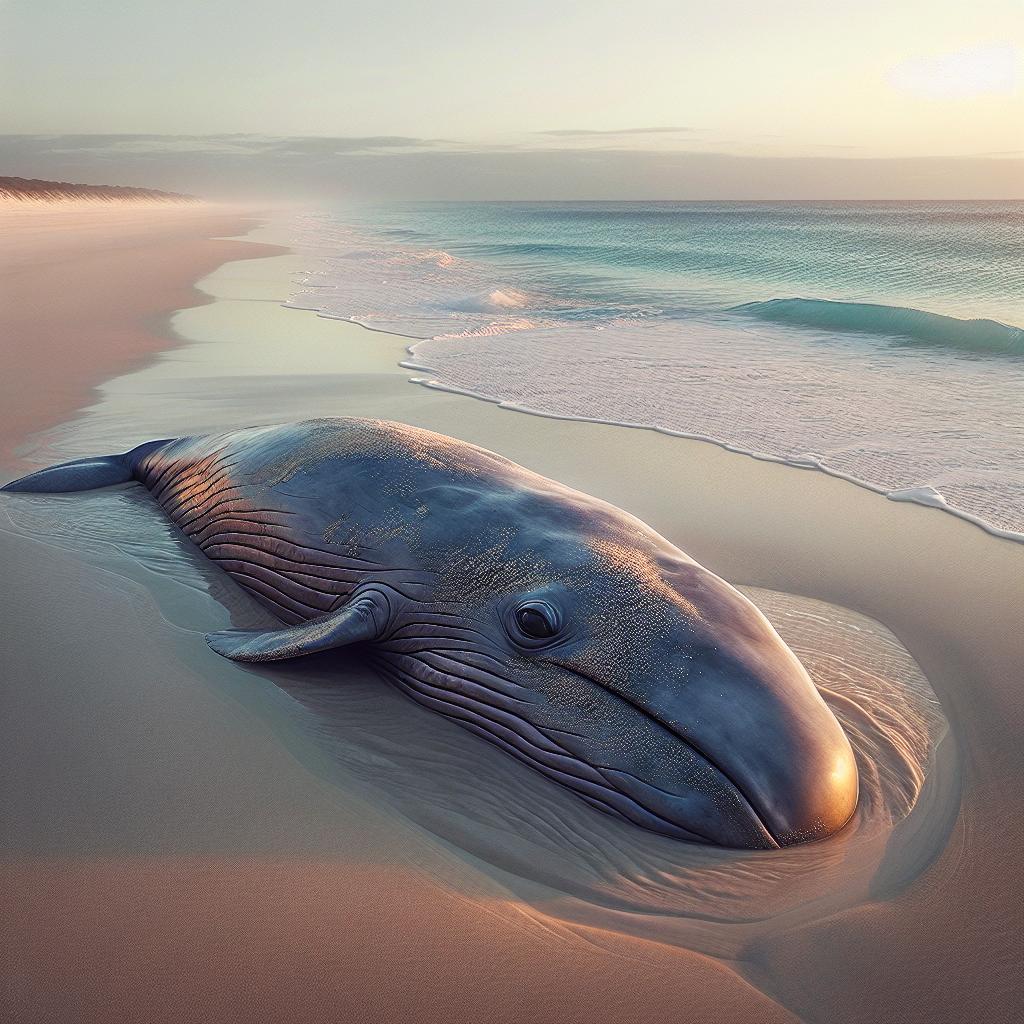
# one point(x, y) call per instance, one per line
point(181, 848)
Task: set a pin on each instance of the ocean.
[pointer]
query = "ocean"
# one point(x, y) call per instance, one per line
point(877, 341)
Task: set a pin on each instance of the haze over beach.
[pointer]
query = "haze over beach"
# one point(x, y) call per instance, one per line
point(751, 273)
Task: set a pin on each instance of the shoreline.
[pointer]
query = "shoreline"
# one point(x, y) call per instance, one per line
point(923, 496)
point(951, 594)
point(85, 285)
point(926, 497)
point(885, 381)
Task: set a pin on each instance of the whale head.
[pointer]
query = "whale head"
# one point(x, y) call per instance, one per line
point(580, 641)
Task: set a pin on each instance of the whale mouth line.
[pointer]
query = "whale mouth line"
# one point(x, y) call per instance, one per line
point(690, 745)
point(591, 790)
point(596, 788)
point(614, 788)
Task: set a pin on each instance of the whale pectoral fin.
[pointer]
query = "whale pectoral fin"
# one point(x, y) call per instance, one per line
point(362, 619)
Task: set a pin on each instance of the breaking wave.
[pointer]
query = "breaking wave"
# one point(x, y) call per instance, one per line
point(914, 326)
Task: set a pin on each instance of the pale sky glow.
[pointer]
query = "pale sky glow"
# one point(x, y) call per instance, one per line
point(963, 74)
point(797, 79)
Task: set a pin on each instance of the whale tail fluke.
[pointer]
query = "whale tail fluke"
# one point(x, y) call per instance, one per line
point(84, 474)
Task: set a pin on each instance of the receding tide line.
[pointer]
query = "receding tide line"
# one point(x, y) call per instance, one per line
point(927, 497)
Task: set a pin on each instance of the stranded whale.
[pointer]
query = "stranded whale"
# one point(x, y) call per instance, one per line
point(551, 623)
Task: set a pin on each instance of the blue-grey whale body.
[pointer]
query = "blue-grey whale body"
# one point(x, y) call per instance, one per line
point(556, 626)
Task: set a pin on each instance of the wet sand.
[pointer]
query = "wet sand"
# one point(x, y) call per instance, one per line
point(176, 862)
point(83, 291)
point(242, 852)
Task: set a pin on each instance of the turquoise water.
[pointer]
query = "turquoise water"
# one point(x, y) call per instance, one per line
point(879, 341)
point(957, 259)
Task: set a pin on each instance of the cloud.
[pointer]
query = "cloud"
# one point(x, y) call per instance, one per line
point(962, 74)
point(327, 145)
point(240, 145)
point(585, 132)
point(399, 167)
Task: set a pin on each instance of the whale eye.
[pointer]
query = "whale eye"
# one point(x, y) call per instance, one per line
point(537, 620)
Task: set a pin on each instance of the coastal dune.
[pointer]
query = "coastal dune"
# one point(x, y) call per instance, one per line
point(18, 193)
point(303, 841)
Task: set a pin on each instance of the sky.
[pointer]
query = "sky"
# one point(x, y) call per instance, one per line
point(532, 99)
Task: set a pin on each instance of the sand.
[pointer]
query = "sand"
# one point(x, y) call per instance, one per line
point(83, 289)
point(192, 840)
